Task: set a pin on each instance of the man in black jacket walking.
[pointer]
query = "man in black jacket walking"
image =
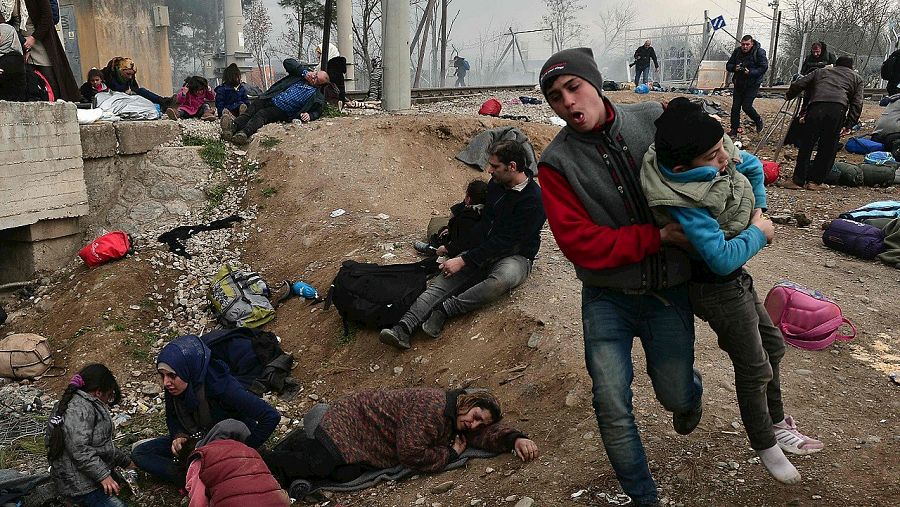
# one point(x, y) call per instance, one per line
point(748, 63)
point(642, 57)
point(510, 226)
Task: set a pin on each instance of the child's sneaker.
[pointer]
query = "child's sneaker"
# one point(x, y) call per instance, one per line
point(791, 440)
point(240, 139)
point(172, 114)
point(423, 248)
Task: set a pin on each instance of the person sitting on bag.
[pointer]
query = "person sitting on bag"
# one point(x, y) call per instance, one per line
point(422, 429)
point(694, 175)
point(510, 237)
point(199, 392)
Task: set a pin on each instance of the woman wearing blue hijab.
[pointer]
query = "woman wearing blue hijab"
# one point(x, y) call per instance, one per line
point(199, 392)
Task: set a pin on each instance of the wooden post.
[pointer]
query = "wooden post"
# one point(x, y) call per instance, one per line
point(326, 34)
point(443, 42)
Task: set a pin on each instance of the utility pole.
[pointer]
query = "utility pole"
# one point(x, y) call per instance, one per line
point(345, 35)
point(443, 42)
point(772, 65)
point(740, 27)
point(326, 33)
point(234, 30)
point(395, 35)
point(774, 5)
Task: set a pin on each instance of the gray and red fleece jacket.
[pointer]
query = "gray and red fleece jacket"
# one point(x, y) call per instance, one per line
point(596, 208)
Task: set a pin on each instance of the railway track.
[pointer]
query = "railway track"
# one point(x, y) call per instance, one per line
point(427, 95)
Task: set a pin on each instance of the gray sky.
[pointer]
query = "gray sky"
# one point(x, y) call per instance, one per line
point(492, 17)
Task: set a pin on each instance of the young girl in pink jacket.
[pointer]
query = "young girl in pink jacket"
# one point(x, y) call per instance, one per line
point(192, 100)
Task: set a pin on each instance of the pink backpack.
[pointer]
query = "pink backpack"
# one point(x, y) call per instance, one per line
point(807, 319)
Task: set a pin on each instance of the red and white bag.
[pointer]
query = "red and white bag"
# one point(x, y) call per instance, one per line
point(806, 318)
point(109, 247)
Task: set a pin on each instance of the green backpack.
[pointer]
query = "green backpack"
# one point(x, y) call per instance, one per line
point(240, 298)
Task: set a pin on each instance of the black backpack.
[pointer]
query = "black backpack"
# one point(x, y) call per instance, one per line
point(377, 296)
point(254, 358)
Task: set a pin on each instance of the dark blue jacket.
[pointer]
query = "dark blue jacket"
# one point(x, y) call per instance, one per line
point(236, 403)
point(230, 98)
point(511, 224)
point(755, 60)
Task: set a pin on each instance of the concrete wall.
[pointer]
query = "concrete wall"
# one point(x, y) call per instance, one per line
point(41, 171)
point(110, 28)
point(42, 188)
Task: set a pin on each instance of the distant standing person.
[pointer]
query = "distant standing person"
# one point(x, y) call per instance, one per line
point(44, 49)
point(642, 57)
point(890, 71)
point(835, 103)
point(462, 68)
point(819, 57)
point(748, 63)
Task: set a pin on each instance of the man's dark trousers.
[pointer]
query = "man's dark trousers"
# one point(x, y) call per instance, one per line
point(743, 99)
point(260, 112)
point(823, 126)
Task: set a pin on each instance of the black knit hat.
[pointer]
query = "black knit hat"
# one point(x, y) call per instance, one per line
point(684, 131)
point(576, 62)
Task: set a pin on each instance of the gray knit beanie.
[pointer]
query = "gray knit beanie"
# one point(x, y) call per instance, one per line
point(576, 62)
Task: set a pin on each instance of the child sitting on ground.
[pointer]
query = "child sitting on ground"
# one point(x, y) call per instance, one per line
point(457, 236)
point(231, 95)
point(93, 85)
point(694, 175)
point(192, 100)
point(80, 445)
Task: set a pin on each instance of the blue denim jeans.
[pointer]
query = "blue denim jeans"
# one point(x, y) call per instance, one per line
point(469, 289)
point(155, 457)
point(665, 325)
point(98, 498)
point(645, 71)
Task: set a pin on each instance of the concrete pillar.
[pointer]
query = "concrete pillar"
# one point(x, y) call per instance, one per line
point(396, 89)
point(234, 30)
point(345, 38)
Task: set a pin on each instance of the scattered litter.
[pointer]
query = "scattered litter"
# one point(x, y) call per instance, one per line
point(895, 377)
point(579, 493)
point(382, 216)
point(388, 255)
point(556, 120)
point(338, 212)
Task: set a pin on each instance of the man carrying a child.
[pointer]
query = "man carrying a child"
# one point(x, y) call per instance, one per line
point(509, 234)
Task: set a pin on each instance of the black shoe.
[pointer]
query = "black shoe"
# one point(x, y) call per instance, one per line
point(396, 336)
point(435, 323)
point(686, 422)
point(759, 126)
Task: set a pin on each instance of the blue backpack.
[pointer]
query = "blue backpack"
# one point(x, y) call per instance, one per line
point(862, 146)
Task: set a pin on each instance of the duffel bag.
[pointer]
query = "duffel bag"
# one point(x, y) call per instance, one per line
point(854, 238)
point(24, 355)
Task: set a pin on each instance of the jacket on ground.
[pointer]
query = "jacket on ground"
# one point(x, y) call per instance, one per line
point(410, 427)
point(227, 473)
point(597, 209)
point(89, 454)
point(754, 60)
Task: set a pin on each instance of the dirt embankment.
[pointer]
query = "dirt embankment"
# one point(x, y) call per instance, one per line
point(403, 167)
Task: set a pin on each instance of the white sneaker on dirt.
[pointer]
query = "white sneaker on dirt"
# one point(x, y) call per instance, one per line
point(791, 440)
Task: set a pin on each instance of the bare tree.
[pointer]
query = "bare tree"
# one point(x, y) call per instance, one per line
point(256, 35)
point(366, 34)
point(562, 18)
point(613, 23)
point(852, 28)
point(302, 15)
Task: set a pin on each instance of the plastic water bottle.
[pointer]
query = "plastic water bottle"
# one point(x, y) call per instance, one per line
point(305, 290)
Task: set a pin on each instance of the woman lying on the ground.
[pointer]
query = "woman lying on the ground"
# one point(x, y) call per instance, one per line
point(199, 392)
point(423, 429)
